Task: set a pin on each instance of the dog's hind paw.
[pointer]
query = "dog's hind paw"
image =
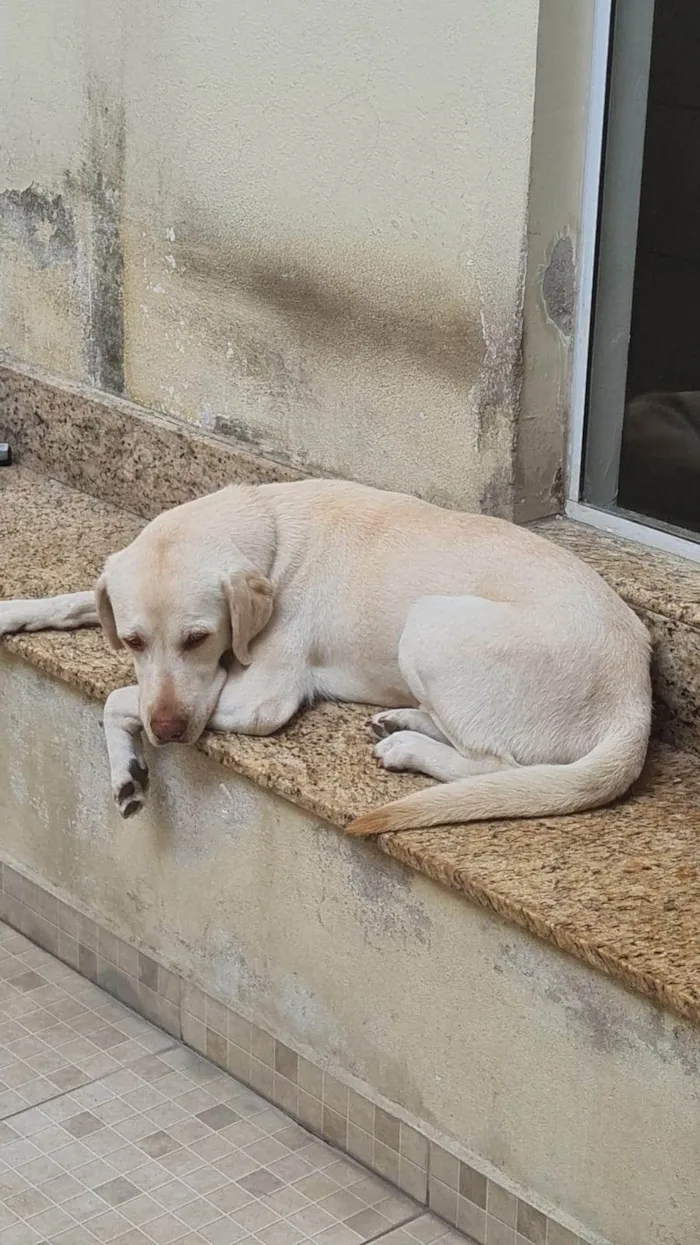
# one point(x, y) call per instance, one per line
point(130, 793)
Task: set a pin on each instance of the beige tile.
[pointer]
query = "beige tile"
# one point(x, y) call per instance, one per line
point(498, 1233)
point(531, 1224)
point(335, 1095)
point(335, 1127)
point(413, 1180)
point(387, 1129)
point(216, 1016)
point(442, 1200)
point(68, 949)
point(194, 1032)
point(87, 936)
point(337, 1235)
point(285, 1095)
point(472, 1185)
point(310, 1079)
point(360, 1111)
point(198, 1213)
point(426, 1229)
point(165, 1229)
point(286, 1062)
point(216, 1048)
point(238, 1030)
point(386, 1161)
point(169, 985)
point(502, 1205)
point(281, 1233)
point(68, 920)
point(342, 1204)
point(193, 1001)
point(310, 1111)
point(218, 1117)
point(262, 1077)
point(148, 971)
point(414, 1146)
point(127, 959)
point(262, 1046)
point(29, 1202)
point(368, 1223)
point(238, 1061)
point(50, 1222)
point(444, 1166)
point(360, 1145)
point(471, 1219)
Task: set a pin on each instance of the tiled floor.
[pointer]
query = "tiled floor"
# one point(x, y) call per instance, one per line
point(112, 1132)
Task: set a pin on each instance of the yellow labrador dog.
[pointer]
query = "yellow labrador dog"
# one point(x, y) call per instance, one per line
point(510, 671)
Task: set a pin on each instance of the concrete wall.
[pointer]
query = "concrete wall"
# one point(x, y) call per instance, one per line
point(585, 1096)
point(300, 224)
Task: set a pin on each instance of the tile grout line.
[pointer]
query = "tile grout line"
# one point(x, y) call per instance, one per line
point(197, 1030)
point(423, 1211)
point(33, 1106)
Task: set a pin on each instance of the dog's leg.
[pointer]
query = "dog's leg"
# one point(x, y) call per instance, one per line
point(123, 734)
point(258, 701)
point(410, 750)
point(391, 720)
point(63, 613)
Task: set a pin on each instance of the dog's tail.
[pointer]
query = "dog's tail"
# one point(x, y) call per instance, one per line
point(528, 791)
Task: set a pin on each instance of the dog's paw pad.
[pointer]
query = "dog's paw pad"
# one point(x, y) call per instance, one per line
point(139, 773)
point(130, 796)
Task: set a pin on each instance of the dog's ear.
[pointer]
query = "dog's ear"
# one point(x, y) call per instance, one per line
point(105, 612)
point(249, 597)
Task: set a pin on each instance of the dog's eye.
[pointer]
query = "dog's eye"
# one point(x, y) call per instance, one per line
point(194, 639)
point(134, 642)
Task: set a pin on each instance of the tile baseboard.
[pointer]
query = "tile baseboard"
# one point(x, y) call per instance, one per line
point(430, 1171)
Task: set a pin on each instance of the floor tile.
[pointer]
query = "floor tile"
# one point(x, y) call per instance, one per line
point(112, 1132)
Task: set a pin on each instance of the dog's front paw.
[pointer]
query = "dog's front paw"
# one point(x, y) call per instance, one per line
point(13, 617)
point(130, 792)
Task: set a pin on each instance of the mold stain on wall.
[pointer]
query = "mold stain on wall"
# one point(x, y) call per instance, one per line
point(98, 187)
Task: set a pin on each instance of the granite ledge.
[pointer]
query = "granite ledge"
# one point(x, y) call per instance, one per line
point(649, 580)
point(619, 888)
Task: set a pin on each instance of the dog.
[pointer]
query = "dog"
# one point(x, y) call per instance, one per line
point(508, 670)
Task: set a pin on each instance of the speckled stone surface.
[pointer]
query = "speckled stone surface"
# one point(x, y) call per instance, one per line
point(115, 450)
point(619, 888)
point(665, 591)
point(673, 589)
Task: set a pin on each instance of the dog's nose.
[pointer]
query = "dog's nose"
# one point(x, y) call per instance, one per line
point(168, 728)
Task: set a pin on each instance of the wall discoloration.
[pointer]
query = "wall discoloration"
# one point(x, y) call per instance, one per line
point(39, 222)
point(39, 308)
point(407, 314)
point(98, 188)
point(382, 891)
point(559, 285)
point(362, 369)
point(63, 259)
point(489, 1036)
point(316, 235)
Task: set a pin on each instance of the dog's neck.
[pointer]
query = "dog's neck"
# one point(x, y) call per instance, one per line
point(250, 526)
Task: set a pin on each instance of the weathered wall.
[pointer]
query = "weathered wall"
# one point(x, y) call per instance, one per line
point(556, 177)
point(584, 1095)
point(301, 224)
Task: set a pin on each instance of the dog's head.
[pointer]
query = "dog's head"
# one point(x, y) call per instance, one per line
point(184, 622)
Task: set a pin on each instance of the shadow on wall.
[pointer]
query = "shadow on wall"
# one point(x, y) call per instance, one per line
point(354, 307)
